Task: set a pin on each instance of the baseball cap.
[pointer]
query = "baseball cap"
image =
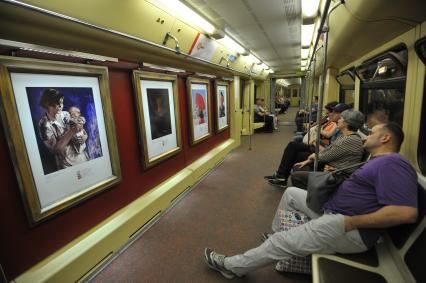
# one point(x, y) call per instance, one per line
point(340, 107)
point(329, 106)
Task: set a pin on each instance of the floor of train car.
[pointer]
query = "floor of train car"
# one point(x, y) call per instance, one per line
point(227, 211)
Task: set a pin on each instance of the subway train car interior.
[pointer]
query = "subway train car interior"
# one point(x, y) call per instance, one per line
point(210, 140)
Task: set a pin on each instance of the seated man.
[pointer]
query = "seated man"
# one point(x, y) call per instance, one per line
point(381, 194)
point(297, 151)
point(261, 115)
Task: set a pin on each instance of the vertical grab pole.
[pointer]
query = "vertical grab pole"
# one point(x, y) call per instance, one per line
point(249, 112)
point(321, 96)
point(324, 30)
point(313, 88)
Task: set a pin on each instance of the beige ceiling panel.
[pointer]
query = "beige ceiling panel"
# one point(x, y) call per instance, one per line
point(134, 17)
point(268, 11)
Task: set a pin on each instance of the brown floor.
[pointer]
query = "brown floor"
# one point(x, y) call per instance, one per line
point(228, 210)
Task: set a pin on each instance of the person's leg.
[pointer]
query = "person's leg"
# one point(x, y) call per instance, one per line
point(298, 137)
point(322, 235)
point(290, 157)
point(269, 124)
point(292, 199)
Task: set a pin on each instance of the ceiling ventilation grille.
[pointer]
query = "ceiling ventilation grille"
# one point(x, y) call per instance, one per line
point(290, 11)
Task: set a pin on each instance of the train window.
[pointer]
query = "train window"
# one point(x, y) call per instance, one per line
point(346, 81)
point(242, 88)
point(420, 47)
point(383, 86)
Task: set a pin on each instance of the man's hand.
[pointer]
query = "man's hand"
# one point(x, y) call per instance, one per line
point(329, 168)
point(349, 224)
point(302, 164)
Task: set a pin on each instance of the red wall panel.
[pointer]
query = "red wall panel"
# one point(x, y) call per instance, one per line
point(22, 247)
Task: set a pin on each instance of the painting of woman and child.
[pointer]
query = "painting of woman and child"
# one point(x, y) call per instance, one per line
point(65, 126)
point(64, 144)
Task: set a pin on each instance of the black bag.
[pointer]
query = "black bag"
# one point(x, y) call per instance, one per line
point(321, 185)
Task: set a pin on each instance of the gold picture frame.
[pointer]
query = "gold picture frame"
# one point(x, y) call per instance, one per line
point(63, 158)
point(198, 94)
point(221, 105)
point(158, 116)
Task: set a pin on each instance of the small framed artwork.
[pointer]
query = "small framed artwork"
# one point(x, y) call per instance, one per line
point(59, 123)
point(158, 115)
point(221, 105)
point(199, 109)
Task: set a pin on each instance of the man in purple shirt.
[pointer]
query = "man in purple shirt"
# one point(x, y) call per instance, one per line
point(381, 194)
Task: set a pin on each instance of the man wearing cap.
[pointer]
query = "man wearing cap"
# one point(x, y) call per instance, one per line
point(346, 150)
point(296, 152)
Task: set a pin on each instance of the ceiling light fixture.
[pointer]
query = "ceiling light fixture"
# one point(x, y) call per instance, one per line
point(254, 59)
point(304, 53)
point(232, 44)
point(188, 15)
point(310, 8)
point(307, 34)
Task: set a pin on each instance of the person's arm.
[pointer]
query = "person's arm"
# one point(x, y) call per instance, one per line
point(387, 216)
point(329, 130)
point(302, 164)
point(65, 139)
point(339, 149)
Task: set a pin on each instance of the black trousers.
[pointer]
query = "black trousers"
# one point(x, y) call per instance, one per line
point(293, 153)
point(269, 122)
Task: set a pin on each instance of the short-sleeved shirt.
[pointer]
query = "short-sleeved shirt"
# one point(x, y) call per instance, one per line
point(384, 180)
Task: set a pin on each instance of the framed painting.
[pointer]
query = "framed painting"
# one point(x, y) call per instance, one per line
point(222, 105)
point(59, 123)
point(158, 115)
point(199, 109)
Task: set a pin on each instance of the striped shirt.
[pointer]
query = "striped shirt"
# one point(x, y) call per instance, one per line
point(343, 152)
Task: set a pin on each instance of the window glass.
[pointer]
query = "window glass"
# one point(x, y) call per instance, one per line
point(383, 86)
point(390, 65)
point(382, 105)
point(347, 96)
point(242, 87)
point(346, 82)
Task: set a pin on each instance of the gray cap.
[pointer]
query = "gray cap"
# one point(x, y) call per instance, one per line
point(354, 118)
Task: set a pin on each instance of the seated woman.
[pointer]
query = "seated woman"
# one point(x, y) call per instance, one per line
point(327, 127)
point(261, 115)
point(345, 151)
point(297, 151)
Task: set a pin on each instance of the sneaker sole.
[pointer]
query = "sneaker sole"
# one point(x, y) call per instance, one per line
point(211, 265)
point(278, 186)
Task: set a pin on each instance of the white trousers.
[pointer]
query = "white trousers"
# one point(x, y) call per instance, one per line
point(323, 234)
